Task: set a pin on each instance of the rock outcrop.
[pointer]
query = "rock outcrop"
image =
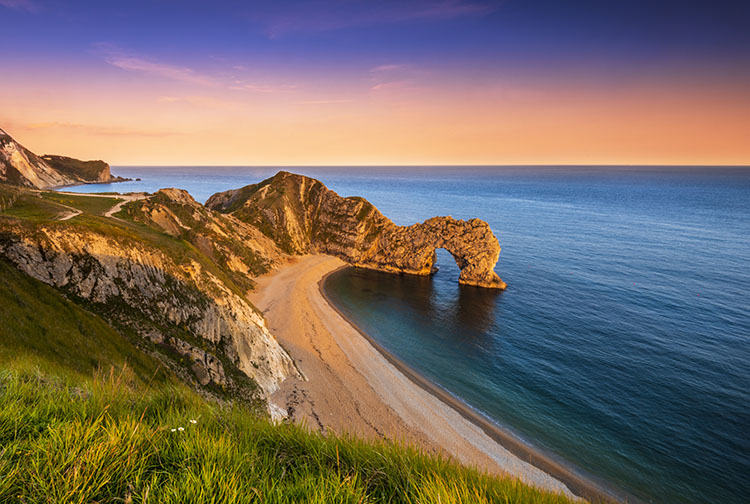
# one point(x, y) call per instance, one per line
point(19, 166)
point(303, 216)
point(84, 171)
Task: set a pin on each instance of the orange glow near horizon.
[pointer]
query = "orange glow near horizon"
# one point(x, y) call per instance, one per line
point(151, 117)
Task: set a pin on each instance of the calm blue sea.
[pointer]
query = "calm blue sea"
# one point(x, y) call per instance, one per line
point(622, 343)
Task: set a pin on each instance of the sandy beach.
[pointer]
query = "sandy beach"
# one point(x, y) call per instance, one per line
point(357, 388)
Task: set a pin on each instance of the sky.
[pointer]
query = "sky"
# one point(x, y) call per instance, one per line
point(378, 82)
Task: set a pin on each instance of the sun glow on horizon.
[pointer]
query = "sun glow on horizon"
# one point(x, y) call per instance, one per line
point(291, 103)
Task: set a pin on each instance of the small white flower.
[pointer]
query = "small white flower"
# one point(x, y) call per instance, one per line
point(180, 429)
point(174, 430)
point(193, 421)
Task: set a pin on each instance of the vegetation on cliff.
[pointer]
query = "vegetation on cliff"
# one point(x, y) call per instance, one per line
point(89, 171)
point(113, 439)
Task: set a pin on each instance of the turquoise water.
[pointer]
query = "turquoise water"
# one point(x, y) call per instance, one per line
point(622, 341)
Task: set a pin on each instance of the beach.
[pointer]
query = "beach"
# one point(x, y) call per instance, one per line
point(354, 387)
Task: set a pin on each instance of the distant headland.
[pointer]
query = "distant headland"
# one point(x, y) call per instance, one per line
point(19, 166)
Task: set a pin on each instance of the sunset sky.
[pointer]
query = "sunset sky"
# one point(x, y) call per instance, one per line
point(312, 82)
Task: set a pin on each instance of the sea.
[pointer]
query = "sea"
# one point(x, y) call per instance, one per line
point(622, 343)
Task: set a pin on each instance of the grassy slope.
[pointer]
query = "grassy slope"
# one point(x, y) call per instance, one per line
point(46, 207)
point(111, 442)
point(89, 204)
point(39, 327)
point(33, 208)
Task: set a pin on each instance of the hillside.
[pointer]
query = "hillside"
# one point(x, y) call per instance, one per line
point(86, 417)
point(177, 300)
point(19, 166)
point(111, 439)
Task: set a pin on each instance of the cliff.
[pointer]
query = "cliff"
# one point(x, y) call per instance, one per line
point(183, 305)
point(19, 166)
point(85, 171)
point(303, 216)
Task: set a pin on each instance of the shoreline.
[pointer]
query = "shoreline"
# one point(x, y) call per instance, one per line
point(586, 487)
point(356, 387)
point(83, 183)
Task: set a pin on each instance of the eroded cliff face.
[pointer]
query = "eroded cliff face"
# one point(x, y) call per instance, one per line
point(182, 307)
point(20, 166)
point(303, 216)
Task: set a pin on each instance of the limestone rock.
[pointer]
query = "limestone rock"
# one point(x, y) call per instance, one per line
point(155, 290)
point(20, 166)
point(240, 249)
point(303, 216)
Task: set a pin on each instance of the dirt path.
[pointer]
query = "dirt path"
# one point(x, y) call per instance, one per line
point(126, 198)
point(73, 213)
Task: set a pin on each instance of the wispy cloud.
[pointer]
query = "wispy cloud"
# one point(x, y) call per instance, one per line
point(385, 86)
point(163, 70)
point(199, 101)
point(387, 68)
point(395, 76)
point(92, 129)
point(26, 5)
point(130, 62)
point(319, 15)
point(152, 67)
point(263, 88)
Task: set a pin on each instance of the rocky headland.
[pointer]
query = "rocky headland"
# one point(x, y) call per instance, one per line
point(178, 280)
point(19, 166)
point(303, 216)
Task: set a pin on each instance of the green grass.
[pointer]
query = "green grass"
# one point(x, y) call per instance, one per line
point(89, 204)
point(32, 208)
point(41, 327)
point(112, 440)
point(8, 195)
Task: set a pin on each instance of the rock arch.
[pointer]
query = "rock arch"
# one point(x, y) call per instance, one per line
point(303, 216)
point(411, 250)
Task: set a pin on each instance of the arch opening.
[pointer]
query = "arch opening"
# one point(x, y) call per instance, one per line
point(448, 265)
